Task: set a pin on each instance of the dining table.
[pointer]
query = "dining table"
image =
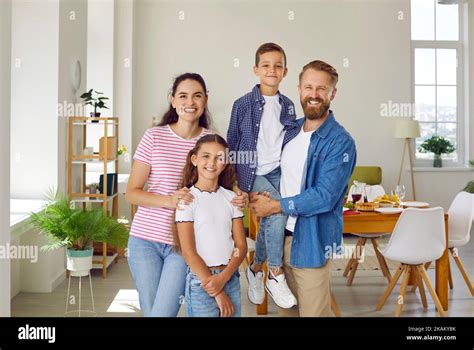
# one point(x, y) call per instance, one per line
point(372, 222)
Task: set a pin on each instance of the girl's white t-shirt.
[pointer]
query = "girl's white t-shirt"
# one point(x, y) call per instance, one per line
point(212, 214)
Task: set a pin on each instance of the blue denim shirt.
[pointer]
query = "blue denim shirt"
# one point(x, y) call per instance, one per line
point(329, 165)
point(244, 127)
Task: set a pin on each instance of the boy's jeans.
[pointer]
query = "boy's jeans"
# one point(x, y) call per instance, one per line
point(201, 304)
point(271, 232)
point(160, 276)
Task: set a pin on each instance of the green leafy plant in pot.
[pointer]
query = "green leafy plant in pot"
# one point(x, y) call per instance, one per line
point(96, 100)
point(438, 146)
point(63, 225)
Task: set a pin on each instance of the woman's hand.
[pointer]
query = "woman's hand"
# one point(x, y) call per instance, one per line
point(225, 305)
point(241, 200)
point(182, 196)
point(213, 285)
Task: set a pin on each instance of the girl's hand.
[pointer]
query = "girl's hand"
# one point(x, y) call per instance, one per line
point(182, 196)
point(241, 200)
point(225, 305)
point(213, 285)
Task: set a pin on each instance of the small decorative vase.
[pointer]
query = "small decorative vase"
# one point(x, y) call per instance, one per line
point(95, 115)
point(437, 162)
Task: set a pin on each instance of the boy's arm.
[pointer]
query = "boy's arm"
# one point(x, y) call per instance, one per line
point(335, 174)
point(233, 134)
point(188, 250)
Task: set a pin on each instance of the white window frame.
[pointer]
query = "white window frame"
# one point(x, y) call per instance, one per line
point(461, 88)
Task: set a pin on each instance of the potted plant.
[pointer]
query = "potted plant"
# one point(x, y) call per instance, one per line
point(469, 187)
point(437, 145)
point(63, 225)
point(94, 99)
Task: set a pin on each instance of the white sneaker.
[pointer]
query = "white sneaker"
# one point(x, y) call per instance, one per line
point(278, 289)
point(256, 292)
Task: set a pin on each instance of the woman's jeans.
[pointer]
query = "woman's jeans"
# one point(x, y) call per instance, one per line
point(271, 232)
point(159, 273)
point(201, 304)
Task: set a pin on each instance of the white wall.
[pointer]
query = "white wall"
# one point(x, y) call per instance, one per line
point(100, 59)
point(38, 130)
point(366, 34)
point(72, 47)
point(5, 64)
point(34, 124)
point(123, 74)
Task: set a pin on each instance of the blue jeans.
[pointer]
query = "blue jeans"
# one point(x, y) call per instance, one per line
point(271, 232)
point(160, 276)
point(201, 304)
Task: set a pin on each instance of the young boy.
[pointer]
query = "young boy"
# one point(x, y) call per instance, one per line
point(262, 122)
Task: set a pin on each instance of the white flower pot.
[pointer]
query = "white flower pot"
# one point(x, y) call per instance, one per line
point(79, 262)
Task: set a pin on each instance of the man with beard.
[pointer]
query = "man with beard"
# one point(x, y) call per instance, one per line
point(316, 166)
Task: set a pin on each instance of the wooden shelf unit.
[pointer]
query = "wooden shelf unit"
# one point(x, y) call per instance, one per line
point(109, 124)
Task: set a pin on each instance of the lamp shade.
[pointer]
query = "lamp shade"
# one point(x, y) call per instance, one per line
point(407, 129)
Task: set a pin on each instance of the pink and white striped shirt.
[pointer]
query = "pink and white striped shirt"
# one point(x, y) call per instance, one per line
point(165, 152)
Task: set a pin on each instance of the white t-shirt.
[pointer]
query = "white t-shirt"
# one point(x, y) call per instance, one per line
point(212, 214)
point(270, 136)
point(293, 160)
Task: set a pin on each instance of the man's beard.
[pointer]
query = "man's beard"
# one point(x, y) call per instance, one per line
point(313, 113)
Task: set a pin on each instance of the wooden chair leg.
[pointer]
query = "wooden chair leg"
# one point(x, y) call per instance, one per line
point(348, 267)
point(463, 271)
point(427, 266)
point(334, 306)
point(356, 260)
point(419, 283)
point(351, 260)
point(450, 276)
point(426, 279)
point(392, 284)
point(403, 287)
point(381, 259)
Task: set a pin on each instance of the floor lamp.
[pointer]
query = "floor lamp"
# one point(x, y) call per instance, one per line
point(407, 129)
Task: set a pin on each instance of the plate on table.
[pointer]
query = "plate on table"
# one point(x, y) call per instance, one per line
point(389, 210)
point(413, 204)
point(344, 209)
point(369, 206)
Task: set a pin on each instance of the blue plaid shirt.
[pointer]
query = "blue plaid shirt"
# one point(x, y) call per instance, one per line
point(244, 127)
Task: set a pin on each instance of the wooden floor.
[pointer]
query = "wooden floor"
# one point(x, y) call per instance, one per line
point(116, 296)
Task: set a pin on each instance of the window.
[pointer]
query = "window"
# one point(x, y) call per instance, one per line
point(437, 62)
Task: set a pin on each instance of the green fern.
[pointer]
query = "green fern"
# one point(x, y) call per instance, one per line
point(64, 225)
point(469, 187)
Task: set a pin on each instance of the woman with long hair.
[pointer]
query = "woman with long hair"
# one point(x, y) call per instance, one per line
point(158, 270)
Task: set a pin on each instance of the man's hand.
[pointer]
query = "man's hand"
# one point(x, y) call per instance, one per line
point(241, 200)
point(263, 205)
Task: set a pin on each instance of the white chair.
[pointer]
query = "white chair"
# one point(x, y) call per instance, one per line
point(419, 237)
point(460, 216)
point(372, 192)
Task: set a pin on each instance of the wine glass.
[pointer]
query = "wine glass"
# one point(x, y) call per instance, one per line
point(357, 192)
point(400, 191)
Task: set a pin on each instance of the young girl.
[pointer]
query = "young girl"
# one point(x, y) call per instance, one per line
point(158, 271)
point(210, 232)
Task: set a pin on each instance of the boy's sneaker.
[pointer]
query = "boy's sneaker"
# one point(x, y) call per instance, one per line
point(256, 292)
point(280, 292)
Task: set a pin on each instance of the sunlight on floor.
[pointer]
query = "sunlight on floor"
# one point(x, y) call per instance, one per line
point(126, 300)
